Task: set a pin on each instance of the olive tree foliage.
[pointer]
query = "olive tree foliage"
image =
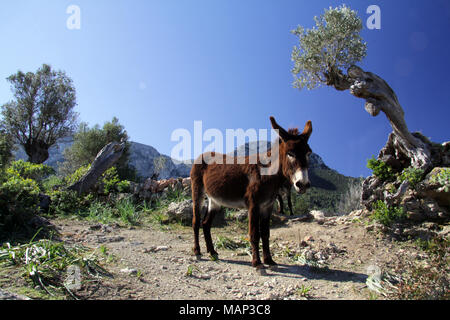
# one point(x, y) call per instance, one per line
point(327, 54)
point(333, 45)
point(41, 112)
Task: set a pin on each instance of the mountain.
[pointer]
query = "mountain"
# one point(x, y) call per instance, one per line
point(147, 161)
point(143, 158)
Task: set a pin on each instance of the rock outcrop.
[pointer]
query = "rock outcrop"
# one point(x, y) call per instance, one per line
point(425, 200)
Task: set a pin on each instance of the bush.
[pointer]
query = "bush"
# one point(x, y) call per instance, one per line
point(19, 199)
point(386, 215)
point(381, 169)
point(109, 180)
point(28, 170)
point(66, 202)
point(77, 175)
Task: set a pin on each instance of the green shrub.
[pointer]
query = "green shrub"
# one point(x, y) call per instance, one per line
point(66, 202)
point(123, 186)
point(29, 170)
point(443, 178)
point(52, 183)
point(381, 169)
point(413, 175)
point(109, 180)
point(77, 175)
point(19, 198)
point(386, 215)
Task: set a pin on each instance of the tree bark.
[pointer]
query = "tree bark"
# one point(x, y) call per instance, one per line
point(379, 96)
point(104, 160)
point(36, 150)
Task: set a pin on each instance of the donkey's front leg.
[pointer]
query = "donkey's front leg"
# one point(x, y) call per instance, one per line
point(253, 227)
point(265, 235)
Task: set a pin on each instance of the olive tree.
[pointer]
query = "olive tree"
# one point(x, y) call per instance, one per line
point(41, 112)
point(327, 54)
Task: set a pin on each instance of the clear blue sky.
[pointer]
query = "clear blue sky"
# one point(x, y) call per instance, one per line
point(160, 65)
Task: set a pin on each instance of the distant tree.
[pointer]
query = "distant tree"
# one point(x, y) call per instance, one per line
point(89, 141)
point(41, 112)
point(334, 46)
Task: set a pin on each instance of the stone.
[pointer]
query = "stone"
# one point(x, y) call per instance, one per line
point(319, 216)
point(129, 271)
point(180, 211)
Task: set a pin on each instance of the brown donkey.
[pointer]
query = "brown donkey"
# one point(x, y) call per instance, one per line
point(240, 184)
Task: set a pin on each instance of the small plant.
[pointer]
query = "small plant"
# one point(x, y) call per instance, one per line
point(128, 212)
point(190, 270)
point(381, 169)
point(413, 175)
point(443, 178)
point(386, 215)
point(174, 194)
point(304, 291)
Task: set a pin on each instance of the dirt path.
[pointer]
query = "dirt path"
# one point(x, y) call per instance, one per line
point(153, 264)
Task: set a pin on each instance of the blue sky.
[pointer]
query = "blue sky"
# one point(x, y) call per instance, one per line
point(160, 65)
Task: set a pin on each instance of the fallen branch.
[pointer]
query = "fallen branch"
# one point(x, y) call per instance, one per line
point(104, 160)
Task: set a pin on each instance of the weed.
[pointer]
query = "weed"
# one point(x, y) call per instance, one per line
point(190, 270)
point(304, 291)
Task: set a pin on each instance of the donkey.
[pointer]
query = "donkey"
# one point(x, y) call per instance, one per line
point(241, 185)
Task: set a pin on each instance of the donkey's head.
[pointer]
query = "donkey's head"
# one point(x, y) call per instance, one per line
point(294, 152)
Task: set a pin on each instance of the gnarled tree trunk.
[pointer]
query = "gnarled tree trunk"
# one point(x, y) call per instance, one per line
point(36, 150)
point(380, 97)
point(104, 160)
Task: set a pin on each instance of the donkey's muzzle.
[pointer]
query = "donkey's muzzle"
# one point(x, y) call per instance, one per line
point(302, 187)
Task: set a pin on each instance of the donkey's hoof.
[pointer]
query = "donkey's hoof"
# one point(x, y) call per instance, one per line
point(270, 263)
point(198, 257)
point(214, 257)
point(273, 267)
point(261, 271)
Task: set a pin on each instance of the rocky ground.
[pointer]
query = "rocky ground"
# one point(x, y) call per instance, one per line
point(156, 262)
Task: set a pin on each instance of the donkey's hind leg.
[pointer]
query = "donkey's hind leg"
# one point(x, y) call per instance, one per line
point(213, 209)
point(197, 200)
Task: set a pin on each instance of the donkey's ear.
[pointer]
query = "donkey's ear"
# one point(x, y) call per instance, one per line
point(284, 135)
point(308, 130)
